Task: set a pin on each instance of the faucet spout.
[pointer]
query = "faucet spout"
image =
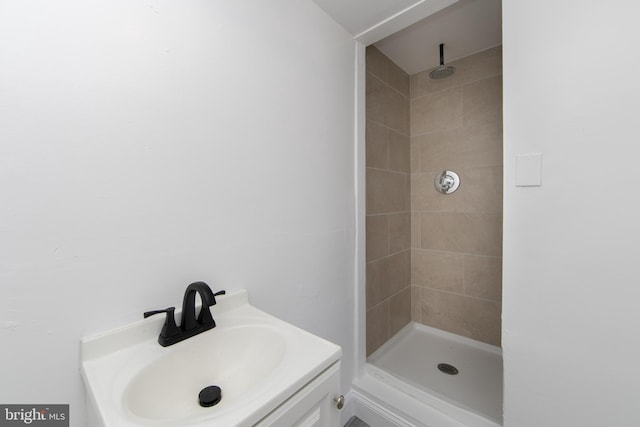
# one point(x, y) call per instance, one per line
point(190, 325)
point(189, 320)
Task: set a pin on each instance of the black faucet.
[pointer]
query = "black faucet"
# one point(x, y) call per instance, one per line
point(190, 325)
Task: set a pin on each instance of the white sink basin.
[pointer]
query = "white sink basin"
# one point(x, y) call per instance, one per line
point(256, 360)
point(228, 360)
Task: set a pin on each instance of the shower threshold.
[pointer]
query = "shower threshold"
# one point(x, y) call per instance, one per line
point(419, 359)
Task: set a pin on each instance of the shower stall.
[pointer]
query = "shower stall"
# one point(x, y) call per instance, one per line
point(434, 241)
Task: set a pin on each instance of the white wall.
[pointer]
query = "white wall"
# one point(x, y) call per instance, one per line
point(148, 144)
point(571, 286)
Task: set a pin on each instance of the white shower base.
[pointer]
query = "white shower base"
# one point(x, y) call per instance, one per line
point(403, 384)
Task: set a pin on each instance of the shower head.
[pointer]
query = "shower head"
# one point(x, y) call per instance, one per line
point(442, 72)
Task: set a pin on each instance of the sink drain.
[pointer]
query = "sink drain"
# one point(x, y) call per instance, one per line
point(210, 396)
point(448, 369)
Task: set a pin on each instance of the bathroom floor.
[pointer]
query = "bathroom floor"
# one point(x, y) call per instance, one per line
point(413, 356)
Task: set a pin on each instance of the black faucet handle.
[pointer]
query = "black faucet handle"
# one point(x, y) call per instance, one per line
point(151, 313)
point(217, 294)
point(169, 328)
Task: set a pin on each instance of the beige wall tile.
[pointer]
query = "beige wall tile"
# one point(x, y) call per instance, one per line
point(398, 79)
point(400, 268)
point(436, 112)
point(407, 189)
point(407, 117)
point(377, 236)
point(414, 154)
point(437, 270)
point(442, 150)
point(387, 192)
point(377, 63)
point(385, 105)
point(398, 152)
point(483, 189)
point(399, 310)
point(428, 85)
point(470, 317)
point(414, 85)
point(416, 241)
point(399, 232)
point(483, 145)
point(416, 307)
point(484, 233)
point(442, 231)
point(483, 277)
point(377, 282)
point(481, 65)
point(377, 326)
point(476, 233)
point(483, 101)
point(386, 277)
point(376, 145)
point(425, 197)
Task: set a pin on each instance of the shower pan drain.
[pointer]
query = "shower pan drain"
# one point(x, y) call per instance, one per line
point(448, 369)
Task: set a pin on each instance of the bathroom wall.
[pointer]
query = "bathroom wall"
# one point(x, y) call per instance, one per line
point(570, 305)
point(388, 222)
point(146, 145)
point(456, 239)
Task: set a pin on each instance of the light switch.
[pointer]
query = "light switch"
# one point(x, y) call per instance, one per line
point(529, 170)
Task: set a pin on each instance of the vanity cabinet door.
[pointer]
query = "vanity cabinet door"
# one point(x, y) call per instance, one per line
point(311, 406)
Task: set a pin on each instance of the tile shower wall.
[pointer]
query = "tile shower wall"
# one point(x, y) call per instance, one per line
point(388, 226)
point(456, 239)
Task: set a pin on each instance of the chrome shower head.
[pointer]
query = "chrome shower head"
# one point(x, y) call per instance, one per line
point(442, 72)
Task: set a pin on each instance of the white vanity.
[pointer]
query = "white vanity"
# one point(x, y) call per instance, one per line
point(270, 373)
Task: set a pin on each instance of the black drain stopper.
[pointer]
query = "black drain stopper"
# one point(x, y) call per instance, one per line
point(448, 369)
point(210, 396)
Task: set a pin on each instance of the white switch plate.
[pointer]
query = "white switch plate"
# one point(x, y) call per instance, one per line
point(529, 170)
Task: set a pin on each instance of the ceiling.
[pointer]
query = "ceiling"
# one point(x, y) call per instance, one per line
point(465, 27)
point(356, 16)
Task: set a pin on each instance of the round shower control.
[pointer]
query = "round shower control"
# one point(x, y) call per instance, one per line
point(447, 182)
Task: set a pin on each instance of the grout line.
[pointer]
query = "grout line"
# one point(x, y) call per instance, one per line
point(388, 170)
point(450, 212)
point(462, 108)
point(464, 211)
point(388, 239)
point(458, 294)
point(388, 127)
point(389, 256)
point(464, 282)
point(388, 213)
point(400, 291)
point(376, 305)
point(387, 147)
point(457, 253)
point(435, 92)
point(388, 321)
point(391, 296)
point(483, 78)
point(454, 128)
point(419, 214)
point(389, 86)
point(461, 84)
point(419, 316)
